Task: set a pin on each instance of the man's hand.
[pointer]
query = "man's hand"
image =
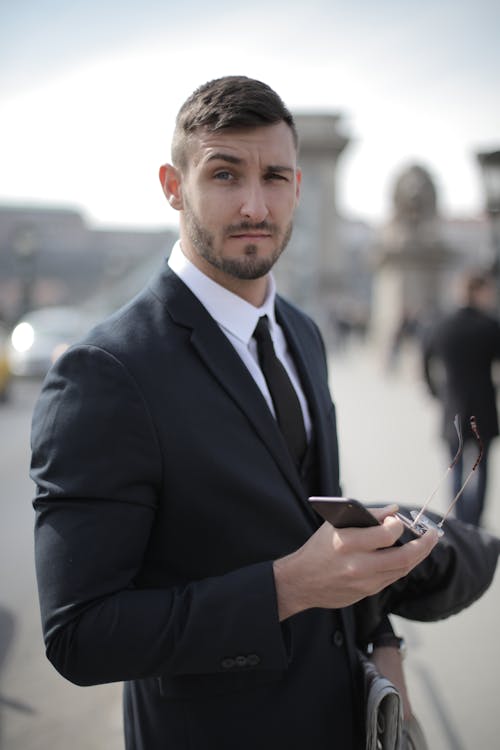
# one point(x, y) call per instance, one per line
point(338, 567)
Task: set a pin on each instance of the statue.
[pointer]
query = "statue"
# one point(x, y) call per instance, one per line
point(412, 261)
point(415, 226)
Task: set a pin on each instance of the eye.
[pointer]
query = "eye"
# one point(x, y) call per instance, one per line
point(276, 176)
point(223, 175)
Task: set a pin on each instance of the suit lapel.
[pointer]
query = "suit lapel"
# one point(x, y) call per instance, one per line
point(222, 360)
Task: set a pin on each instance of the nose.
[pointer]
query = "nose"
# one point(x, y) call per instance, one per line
point(254, 204)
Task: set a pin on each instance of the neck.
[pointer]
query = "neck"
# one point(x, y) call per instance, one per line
point(253, 291)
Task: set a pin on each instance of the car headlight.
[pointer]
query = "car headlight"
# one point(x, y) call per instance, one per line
point(22, 337)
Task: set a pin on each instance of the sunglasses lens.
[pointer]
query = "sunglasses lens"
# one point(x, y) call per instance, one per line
point(420, 523)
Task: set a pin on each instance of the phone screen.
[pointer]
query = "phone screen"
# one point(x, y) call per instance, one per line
point(343, 512)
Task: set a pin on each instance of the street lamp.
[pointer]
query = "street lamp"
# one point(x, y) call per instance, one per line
point(490, 167)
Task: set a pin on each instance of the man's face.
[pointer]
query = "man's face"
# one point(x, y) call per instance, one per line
point(239, 192)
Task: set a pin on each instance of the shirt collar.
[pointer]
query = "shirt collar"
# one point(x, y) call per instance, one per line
point(234, 314)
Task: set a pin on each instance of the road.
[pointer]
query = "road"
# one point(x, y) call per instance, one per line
point(39, 710)
point(389, 451)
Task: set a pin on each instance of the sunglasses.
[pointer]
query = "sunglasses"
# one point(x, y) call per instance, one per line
point(419, 523)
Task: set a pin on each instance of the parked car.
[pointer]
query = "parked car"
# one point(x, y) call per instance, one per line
point(43, 335)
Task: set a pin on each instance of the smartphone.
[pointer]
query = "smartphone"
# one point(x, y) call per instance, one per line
point(343, 512)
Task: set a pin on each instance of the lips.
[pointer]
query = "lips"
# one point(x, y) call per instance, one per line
point(249, 236)
point(248, 232)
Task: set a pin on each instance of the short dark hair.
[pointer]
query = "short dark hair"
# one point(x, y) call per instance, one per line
point(228, 102)
point(473, 282)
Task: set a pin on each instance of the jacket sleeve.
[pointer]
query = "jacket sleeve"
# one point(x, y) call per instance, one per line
point(458, 571)
point(97, 466)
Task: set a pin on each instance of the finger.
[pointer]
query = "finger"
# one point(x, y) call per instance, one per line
point(370, 538)
point(400, 560)
point(383, 512)
point(428, 542)
point(389, 531)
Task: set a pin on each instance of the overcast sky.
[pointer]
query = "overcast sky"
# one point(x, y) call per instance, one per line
point(89, 91)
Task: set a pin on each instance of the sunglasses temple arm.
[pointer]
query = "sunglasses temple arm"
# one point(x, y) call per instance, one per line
point(478, 461)
point(457, 497)
point(458, 430)
point(431, 496)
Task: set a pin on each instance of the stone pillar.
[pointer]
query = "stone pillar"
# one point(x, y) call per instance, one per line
point(313, 260)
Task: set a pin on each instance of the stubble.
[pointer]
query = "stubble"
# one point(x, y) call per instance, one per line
point(248, 267)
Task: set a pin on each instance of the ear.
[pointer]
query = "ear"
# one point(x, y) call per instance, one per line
point(298, 178)
point(170, 179)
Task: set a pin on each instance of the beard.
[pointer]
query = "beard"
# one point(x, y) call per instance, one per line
point(250, 266)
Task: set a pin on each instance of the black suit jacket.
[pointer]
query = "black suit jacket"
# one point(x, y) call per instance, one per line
point(164, 492)
point(467, 342)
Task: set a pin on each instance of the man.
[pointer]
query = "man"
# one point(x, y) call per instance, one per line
point(467, 343)
point(176, 549)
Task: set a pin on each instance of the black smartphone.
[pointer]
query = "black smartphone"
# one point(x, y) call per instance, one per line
point(343, 512)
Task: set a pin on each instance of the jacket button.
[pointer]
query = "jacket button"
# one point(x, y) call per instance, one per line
point(241, 661)
point(338, 638)
point(227, 663)
point(253, 660)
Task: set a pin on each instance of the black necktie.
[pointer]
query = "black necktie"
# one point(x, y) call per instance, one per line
point(285, 400)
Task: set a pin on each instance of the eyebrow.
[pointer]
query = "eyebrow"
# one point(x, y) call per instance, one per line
point(220, 156)
point(230, 159)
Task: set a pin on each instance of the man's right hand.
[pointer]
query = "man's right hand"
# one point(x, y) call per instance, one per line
point(338, 567)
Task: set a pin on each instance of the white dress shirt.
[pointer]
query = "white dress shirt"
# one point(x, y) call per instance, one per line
point(237, 319)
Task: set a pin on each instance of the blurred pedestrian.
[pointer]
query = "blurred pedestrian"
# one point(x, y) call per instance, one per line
point(466, 343)
point(407, 330)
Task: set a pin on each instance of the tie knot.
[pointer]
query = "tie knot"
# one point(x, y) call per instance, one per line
point(262, 332)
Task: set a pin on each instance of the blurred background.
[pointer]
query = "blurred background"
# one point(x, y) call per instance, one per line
point(400, 148)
